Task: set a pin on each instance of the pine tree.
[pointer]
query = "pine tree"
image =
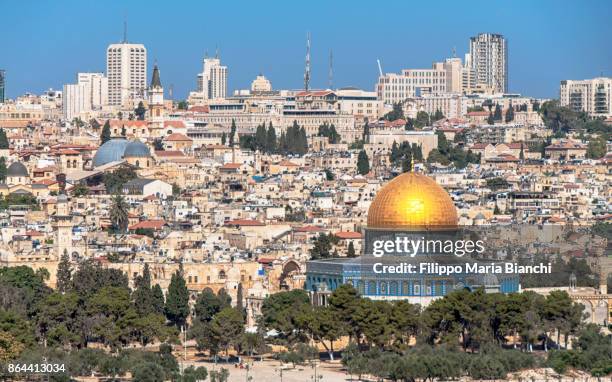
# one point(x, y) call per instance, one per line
point(363, 163)
point(105, 136)
point(260, 137)
point(232, 136)
point(64, 273)
point(223, 138)
point(4, 143)
point(177, 300)
point(351, 250)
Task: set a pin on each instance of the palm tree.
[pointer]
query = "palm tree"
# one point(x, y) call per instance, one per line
point(119, 213)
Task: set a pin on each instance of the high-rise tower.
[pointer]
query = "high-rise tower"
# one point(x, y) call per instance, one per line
point(126, 69)
point(489, 59)
point(307, 68)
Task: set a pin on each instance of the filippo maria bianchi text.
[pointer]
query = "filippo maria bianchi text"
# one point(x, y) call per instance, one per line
point(446, 269)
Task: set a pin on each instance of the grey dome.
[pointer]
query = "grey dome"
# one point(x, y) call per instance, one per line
point(136, 149)
point(490, 280)
point(111, 151)
point(17, 169)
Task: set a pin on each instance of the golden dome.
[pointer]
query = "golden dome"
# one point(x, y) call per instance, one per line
point(412, 201)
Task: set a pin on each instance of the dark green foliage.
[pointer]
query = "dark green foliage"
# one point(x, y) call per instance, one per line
point(422, 120)
point(64, 273)
point(363, 163)
point(3, 169)
point(396, 113)
point(509, 114)
point(105, 136)
point(329, 131)
point(447, 153)
point(140, 111)
point(496, 184)
point(177, 300)
point(322, 246)
point(351, 250)
point(438, 115)
point(4, 143)
point(293, 141)
point(232, 135)
point(115, 180)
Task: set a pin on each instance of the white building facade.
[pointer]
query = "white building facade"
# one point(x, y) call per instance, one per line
point(126, 68)
point(489, 59)
point(593, 96)
point(212, 82)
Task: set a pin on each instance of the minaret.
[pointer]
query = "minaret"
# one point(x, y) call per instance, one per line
point(156, 94)
point(62, 222)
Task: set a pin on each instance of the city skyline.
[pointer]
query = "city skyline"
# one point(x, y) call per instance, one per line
point(249, 49)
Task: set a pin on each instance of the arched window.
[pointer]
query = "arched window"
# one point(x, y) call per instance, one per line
point(371, 288)
point(383, 288)
point(393, 288)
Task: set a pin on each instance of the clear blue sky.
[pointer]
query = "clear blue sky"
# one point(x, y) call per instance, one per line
point(45, 43)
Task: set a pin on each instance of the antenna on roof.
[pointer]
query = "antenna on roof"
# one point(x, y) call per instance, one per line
point(331, 69)
point(454, 52)
point(307, 68)
point(379, 67)
point(217, 51)
point(125, 40)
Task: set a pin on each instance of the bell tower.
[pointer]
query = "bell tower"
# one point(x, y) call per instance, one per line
point(156, 95)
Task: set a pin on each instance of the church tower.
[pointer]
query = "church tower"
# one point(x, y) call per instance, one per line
point(156, 95)
point(62, 222)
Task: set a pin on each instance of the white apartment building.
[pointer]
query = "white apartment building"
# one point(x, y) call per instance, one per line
point(212, 82)
point(593, 96)
point(261, 84)
point(98, 88)
point(126, 68)
point(443, 77)
point(489, 59)
point(76, 101)
point(360, 103)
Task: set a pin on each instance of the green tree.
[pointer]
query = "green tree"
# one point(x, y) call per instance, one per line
point(497, 114)
point(366, 132)
point(158, 302)
point(4, 143)
point(396, 113)
point(143, 295)
point(322, 246)
point(140, 111)
point(351, 250)
point(363, 163)
point(229, 324)
point(223, 138)
point(177, 300)
point(232, 136)
point(596, 148)
point(119, 213)
point(490, 119)
point(207, 305)
point(80, 190)
point(422, 120)
point(64, 273)
point(438, 115)
point(105, 136)
point(3, 169)
point(183, 105)
point(270, 145)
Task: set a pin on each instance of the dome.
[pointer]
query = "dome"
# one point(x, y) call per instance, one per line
point(412, 201)
point(110, 151)
point(17, 169)
point(136, 149)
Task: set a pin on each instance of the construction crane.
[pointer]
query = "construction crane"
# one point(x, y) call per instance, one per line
point(379, 67)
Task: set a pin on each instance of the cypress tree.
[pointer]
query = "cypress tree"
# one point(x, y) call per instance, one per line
point(157, 299)
point(497, 114)
point(4, 143)
point(223, 138)
point(143, 295)
point(363, 163)
point(510, 113)
point(351, 250)
point(232, 136)
point(105, 136)
point(271, 139)
point(64, 273)
point(177, 300)
point(3, 169)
